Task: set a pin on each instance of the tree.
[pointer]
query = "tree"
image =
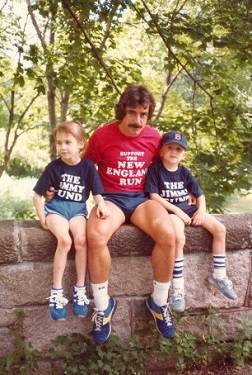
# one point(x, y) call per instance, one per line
point(15, 107)
point(205, 55)
point(194, 55)
point(73, 38)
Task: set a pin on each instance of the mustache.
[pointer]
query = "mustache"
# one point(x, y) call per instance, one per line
point(135, 126)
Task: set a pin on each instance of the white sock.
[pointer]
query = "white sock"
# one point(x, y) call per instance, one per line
point(101, 297)
point(161, 291)
point(219, 266)
point(220, 273)
point(178, 283)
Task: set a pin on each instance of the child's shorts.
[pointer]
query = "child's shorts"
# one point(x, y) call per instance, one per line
point(66, 209)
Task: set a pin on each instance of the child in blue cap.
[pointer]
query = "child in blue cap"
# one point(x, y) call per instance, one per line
point(170, 183)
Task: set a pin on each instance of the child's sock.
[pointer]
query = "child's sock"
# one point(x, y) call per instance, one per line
point(161, 291)
point(178, 280)
point(219, 266)
point(100, 293)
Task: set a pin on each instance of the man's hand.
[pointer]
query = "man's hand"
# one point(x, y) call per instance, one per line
point(191, 200)
point(102, 210)
point(49, 194)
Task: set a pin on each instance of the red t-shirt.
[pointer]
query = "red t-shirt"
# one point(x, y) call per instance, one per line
point(122, 161)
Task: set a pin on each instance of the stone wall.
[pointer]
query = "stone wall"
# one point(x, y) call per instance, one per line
point(26, 272)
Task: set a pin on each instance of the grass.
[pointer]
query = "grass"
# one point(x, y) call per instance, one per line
point(21, 189)
point(240, 204)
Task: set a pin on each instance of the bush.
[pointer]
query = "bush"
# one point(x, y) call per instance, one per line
point(15, 209)
point(21, 166)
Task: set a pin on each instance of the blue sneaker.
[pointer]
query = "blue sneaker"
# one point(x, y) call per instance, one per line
point(178, 300)
point(225, 286)
point(102, 322)
point(80, 301)
point(57, 303)
point(162, 317)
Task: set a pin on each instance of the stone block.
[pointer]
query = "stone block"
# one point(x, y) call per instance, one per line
point(39, 328)
point(201, 294)
point(9, 242)
point(6, 342)
point(131, 276)
point(30, 283)
point(37, 243)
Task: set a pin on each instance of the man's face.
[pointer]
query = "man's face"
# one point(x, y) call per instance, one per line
point(134, 121)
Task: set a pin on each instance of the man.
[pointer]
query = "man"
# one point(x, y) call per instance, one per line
point(123, 150)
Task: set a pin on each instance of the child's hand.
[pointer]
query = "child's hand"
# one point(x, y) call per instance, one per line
point(198, 218)
point(191, 200)
point(184, 217)
point(43, 223)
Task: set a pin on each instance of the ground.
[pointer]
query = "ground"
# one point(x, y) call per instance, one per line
point(213, 369)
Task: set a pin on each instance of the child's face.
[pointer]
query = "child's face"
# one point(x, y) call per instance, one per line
point(68, 146)
point(172, 153)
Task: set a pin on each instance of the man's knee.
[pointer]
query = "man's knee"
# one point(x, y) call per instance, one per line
point(165, 234)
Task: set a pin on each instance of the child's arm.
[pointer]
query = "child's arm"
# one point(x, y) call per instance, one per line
point(37, 201)
point(102, 210)
point(172, 208)
point(199, 215)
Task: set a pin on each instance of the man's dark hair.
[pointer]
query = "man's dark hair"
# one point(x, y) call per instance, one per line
point(133, 96)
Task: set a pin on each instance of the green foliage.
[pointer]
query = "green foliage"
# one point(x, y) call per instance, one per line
point(23, 360)
point(79, 355)
point(21, 166)
point(15, 209)
point(142, 354)
point(194, 55)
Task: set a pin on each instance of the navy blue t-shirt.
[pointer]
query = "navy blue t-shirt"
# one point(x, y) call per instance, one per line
point(71, 182)
point(172, 186)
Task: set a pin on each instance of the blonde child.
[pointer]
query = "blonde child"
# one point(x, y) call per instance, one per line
point(73, 178)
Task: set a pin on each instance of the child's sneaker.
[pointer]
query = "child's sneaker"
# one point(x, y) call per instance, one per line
point(80, 301)
point(178, 300)
point(162, 317)
point(102, 322)
point(57, 303)
point(225, 286)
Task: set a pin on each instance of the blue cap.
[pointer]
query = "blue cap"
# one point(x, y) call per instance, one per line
point(174, 137)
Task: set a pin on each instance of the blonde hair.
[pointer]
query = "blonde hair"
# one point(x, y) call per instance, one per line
point(71, 127)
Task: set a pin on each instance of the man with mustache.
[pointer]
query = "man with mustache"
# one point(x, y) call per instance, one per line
point(123, 151)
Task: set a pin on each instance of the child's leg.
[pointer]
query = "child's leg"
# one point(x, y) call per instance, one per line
point(180, 243)
point(59, 226)
point(218, 231)
point(219, 277)
point(78, 230)
point(178, 294)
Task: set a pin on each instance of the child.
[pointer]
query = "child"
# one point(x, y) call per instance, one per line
point(169, 183)
point(73, 178)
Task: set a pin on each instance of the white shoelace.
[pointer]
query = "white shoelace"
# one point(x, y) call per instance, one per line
point(178, 293)
point(58, 299)
point(167, 315)
point(228, 283)
point(97, 318)
point(81, 298)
